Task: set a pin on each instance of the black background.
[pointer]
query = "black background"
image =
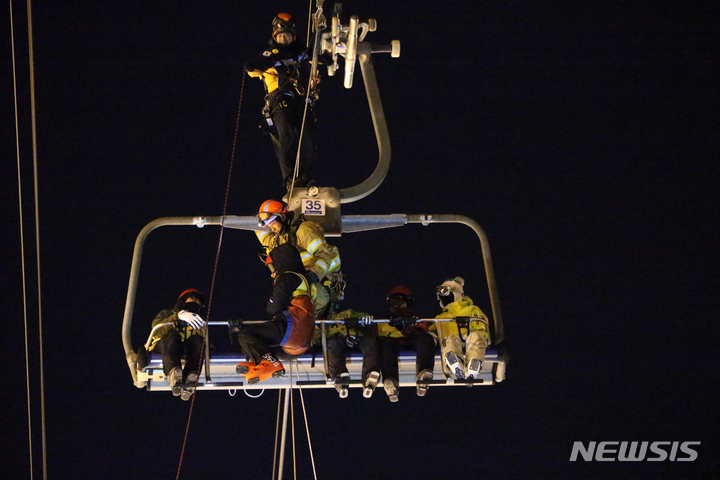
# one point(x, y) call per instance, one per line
point(582, 137)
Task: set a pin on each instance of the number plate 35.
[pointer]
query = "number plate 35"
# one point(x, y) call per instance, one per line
point(313, 206)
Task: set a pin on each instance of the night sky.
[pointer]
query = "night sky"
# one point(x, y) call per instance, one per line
point(582, 138)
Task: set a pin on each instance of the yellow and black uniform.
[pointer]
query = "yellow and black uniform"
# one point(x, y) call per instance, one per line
point(291, 307)
point(285, 72)
point(318, 257)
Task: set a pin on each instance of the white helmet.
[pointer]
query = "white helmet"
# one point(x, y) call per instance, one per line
point(450, 286)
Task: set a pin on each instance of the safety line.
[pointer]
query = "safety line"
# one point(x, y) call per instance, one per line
point(292, 424)
point(212, 285)
point(22, 240)
point(31, 57)
point(307, 425)
point(307, 39)
point(277, 433)
point(307, 96)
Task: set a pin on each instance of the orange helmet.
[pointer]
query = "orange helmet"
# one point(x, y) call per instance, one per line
point(270, 211)
point(283, 23)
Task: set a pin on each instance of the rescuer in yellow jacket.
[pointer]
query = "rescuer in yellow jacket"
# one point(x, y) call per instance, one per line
point(321, 260)
point(474, 331)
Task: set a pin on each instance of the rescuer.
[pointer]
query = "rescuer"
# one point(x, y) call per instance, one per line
point(284, 68)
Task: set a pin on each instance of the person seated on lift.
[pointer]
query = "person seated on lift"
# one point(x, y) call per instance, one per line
point(403, 331)
point(293, 319)
point(471, 332)
point(184, 336)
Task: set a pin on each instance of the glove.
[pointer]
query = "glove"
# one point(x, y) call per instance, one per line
point(402, 322)
point(192, 319)
point(311, 277)
point(366, 320)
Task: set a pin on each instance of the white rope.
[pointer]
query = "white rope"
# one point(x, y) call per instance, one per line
point(37, 235)
point(277, 432)
point(307, 39)
point(254, 396)
point(302, 126)
point(307, 428)
point(22, 242)
point(292, 423)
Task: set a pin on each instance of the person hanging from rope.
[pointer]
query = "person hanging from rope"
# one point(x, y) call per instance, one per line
point(284, 67)
point(470, 328)
point(321, 260)
point(404, 331)
point(184, 335)
point(293, 319)
point(356, 333)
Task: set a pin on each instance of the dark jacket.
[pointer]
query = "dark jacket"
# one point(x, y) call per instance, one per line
point(291, 299)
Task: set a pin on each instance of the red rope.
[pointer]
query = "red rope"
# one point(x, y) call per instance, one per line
point(217, 258)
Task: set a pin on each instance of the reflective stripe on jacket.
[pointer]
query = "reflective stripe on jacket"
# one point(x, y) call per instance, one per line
point(170, 316)
point(318, 257)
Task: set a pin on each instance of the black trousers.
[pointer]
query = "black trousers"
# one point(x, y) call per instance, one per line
point(171, 347)
point(423, 344)
point(259, 339)
point(337, 348)
point(388, 357)
point(287, 118)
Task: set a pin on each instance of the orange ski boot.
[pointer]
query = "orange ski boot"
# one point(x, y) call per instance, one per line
point(244, 367)
point(268, 367)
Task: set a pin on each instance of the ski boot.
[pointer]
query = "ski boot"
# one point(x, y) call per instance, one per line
point(474, 367)
point(392, 388)
point(174, 379)
point(243, 368)
point(269, 367)
point(189, 388)
point(423, 376)
point(456, 365)
point(370, 383)
point(341, 384)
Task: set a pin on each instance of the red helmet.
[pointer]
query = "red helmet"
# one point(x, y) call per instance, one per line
point(190, 292)
point(399, 294)
point(270, 210)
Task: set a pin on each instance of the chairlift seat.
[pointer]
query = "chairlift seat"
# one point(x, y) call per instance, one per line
point(311, 370)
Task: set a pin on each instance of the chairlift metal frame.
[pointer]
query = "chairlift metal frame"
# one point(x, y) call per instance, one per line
point(344, 41)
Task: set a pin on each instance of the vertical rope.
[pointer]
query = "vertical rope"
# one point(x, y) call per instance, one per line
point(292, 424)
point(217, 258)
point(302, 126)
point(22, 240)
point(277, 433)
point(307, 39)
point(307, 425)
point(31, 58)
